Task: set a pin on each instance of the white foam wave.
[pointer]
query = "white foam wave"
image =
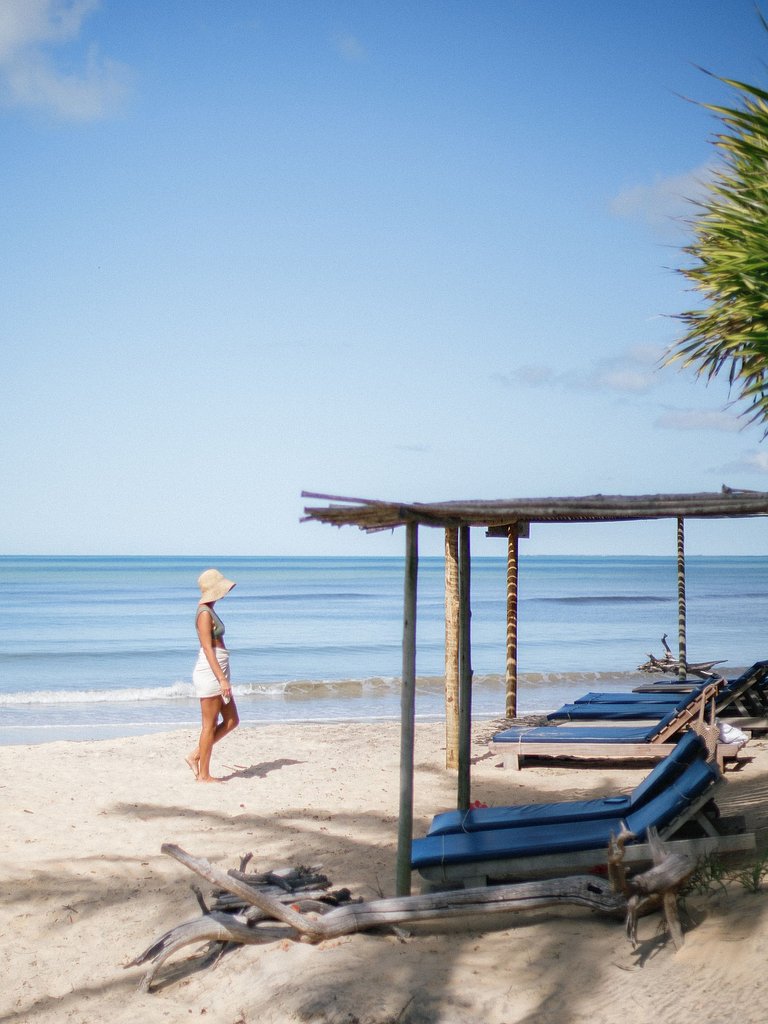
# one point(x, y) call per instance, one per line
point(126, 696)
point(320, 689)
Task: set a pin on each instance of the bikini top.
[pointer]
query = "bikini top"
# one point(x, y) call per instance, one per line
point(217, 630)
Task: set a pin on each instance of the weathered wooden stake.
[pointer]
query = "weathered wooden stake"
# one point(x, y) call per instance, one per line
point(451, 647)
point(407, 713)
point(682, 670)
point(465, 671)
point(512, 577)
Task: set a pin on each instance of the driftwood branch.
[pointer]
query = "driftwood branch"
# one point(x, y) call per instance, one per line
point(661, 882)
point(265, 911)
point(670, 665)
point(213, 927)
point(581, 890)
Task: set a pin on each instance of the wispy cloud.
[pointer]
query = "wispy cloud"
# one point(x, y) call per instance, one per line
point(349, 47)
point(666, 204)
point(413, 448)
point(632, 372)
point(699, 419)
point(751, 462)
point(33, 33)
point(533, 376)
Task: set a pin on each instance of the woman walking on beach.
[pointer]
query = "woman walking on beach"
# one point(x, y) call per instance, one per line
point(211, 675)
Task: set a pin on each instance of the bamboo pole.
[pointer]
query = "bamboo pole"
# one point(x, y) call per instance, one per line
point(512, 577)
point(407, 713)
point(682, 670)
point(465, 671)
point(451, 648)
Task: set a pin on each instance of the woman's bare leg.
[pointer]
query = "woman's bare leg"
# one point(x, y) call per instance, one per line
point(209, 708)
point(211, 732)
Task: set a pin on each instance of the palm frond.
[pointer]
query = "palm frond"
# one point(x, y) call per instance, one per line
point(728, 266)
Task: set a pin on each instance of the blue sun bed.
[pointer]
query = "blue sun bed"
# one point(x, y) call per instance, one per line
point(630, 697)
point(734, 698)
point(689, 749)
point(596, 741)
point(603, 711)
point(752, 683)
point(530, 840)
point(597, 733)
point(541, 849)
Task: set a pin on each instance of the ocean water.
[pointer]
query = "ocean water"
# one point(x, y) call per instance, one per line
point(94, 647)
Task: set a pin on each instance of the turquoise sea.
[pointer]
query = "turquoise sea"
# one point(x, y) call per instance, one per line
point(94, 647)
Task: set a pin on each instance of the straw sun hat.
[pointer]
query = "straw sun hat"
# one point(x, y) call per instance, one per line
point(213, 585)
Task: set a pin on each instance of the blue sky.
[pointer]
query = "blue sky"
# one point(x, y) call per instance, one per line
point(416, 251)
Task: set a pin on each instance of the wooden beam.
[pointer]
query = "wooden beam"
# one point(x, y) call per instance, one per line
point(465, 671)
point(451, 648)
point(407, 713)
point(523, 529)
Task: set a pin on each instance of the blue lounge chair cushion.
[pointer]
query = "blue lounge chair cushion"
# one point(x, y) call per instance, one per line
point(615, 712)
point(633, 698)
point(503, 843)
point(478, 819)
point(481, 819)
point(543, 839)
point(690, 748)
point(587, 734)
point(609, 712)
point(644, 706)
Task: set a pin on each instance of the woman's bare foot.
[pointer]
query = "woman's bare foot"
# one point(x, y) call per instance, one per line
point(194, 765)
point(209, 778)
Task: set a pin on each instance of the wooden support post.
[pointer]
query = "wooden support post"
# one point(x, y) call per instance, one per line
point(682, 656)
point(465, 671)
point(451, 647)
point(407, 713)
point(512, 576)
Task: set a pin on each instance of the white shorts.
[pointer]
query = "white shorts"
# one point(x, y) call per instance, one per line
point(203, 679)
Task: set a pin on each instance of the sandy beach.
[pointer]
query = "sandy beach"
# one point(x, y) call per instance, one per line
point(86, 888)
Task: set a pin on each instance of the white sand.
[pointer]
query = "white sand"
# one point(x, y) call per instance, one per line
point(85, 889)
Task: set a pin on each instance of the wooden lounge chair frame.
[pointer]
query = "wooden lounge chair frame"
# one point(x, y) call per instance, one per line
point(746, 705)
point(513, 754)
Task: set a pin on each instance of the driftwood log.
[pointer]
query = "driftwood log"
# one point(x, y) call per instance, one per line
point(670, 665)
point(299, 907)
point(658, 885)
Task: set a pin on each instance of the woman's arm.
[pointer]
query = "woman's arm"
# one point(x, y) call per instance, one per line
point(204, 625)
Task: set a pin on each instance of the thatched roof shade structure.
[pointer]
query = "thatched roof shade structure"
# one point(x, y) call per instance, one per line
point(373, 515)
point(510, 519)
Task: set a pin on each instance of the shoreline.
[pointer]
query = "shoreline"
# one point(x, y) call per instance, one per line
point(36, 736)
point(46, 717)
point(87, 889)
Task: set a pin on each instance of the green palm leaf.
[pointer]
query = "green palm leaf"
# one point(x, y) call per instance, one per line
point(729, 258)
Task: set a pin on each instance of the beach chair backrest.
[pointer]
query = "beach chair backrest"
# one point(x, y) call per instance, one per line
point(757, 673)
point(708, 731)
point(749, 687)
point(674, 723)
point(675, 799)
point(690, 748)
